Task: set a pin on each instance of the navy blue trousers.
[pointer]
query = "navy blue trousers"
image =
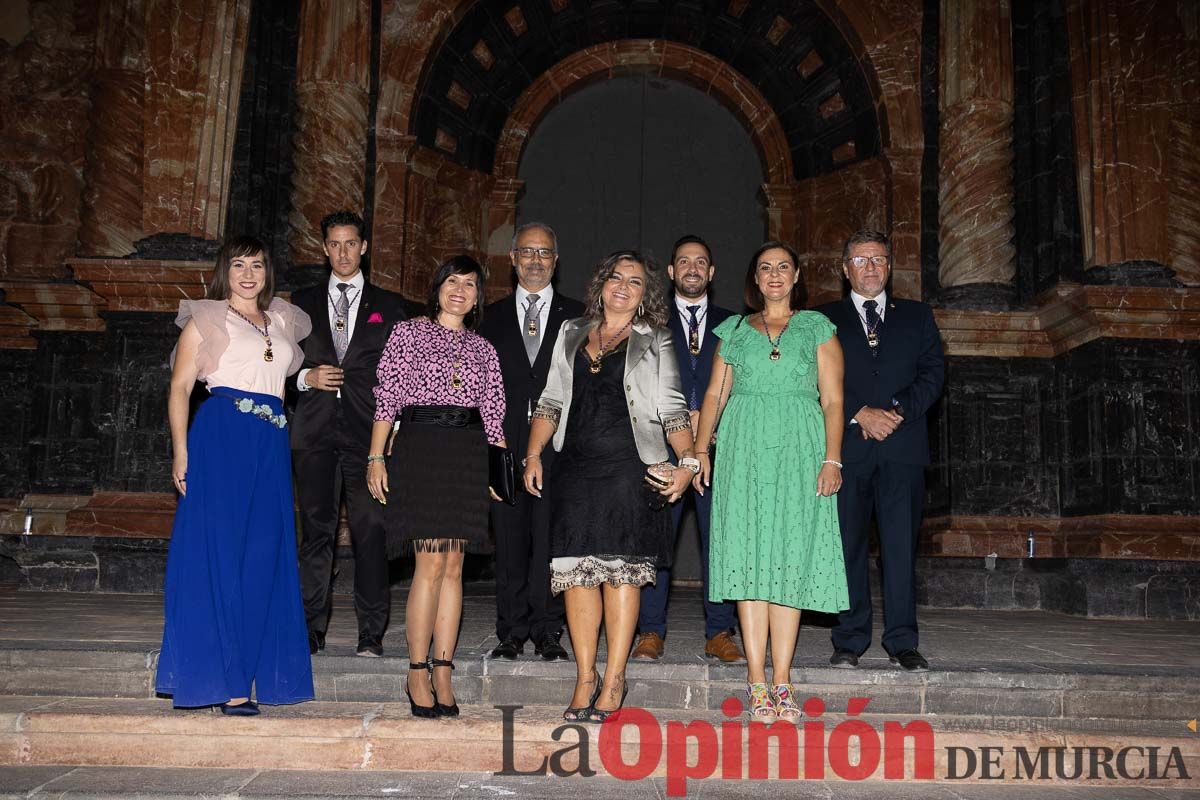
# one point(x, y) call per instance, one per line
point(895, 494)
point(652, 617)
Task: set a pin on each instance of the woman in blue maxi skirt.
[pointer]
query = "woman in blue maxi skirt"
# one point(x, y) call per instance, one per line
point(234, 623)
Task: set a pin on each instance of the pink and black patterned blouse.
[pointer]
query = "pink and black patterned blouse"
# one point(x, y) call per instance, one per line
point(416, 369)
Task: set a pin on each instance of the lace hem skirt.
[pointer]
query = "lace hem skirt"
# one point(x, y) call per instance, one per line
point(588, 571)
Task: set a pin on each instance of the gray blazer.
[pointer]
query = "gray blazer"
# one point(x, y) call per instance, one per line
point(656, 403)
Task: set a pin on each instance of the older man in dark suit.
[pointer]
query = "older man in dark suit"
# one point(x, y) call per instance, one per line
point(331, 431)
point(894, 373)
point(523, 328)
point(693, 318)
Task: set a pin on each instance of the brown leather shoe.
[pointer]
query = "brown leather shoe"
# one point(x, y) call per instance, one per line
point(649, 645)
point(723, 647)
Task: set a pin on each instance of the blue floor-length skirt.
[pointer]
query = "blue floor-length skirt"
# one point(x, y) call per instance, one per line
point(234, 617)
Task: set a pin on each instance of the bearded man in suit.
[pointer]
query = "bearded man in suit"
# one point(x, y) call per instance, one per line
point(693, 318)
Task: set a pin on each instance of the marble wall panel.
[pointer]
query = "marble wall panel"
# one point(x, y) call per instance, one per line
point(43, 128)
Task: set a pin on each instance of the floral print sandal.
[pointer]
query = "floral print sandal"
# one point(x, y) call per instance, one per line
point(761, 704)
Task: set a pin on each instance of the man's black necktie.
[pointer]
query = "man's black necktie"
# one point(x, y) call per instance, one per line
point(693, 345)
point(874, 323)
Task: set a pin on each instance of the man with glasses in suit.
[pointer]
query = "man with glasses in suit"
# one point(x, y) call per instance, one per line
point(894, 374)
point(523, 328)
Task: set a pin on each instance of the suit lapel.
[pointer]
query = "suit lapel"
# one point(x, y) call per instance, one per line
point(553, 322)
point(360, 322)
point(858, 335)
point(572, 339)
point(318, 311)
point(640, 339)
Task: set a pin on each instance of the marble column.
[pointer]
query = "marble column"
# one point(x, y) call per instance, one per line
point(195, 51)
point(329, 154)
point(112, 203)
point(975, 216)
point(1130, 80)
point(1183, 156)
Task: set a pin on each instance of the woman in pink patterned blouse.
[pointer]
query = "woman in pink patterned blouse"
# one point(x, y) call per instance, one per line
point(443, 382)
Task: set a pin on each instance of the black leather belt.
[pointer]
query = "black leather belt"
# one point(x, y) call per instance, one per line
point(445, 416)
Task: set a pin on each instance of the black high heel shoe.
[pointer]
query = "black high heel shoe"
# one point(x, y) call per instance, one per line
point(598, 715)
point(442, 709)
point(424, 712)
point(580, 714)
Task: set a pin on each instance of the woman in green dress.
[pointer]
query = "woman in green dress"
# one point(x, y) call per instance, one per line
point(774, 547)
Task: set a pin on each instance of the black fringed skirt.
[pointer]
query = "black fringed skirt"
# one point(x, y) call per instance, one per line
point(438, 482)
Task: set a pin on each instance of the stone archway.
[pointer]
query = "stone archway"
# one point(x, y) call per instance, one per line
point(436, 126)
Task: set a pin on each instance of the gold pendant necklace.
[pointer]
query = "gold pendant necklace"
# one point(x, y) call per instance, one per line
point(268, 354)
point(456, 381)
point(775, 342)
point(594, 367)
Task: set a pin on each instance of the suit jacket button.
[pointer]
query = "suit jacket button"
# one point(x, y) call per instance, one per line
point(631, 404)
point(628, 388)
point(634, 419)
point(875, 373)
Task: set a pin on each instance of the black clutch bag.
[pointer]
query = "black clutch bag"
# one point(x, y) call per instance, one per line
point(502, 474)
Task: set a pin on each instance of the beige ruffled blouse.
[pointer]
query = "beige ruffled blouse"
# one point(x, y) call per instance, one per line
point(231, 350)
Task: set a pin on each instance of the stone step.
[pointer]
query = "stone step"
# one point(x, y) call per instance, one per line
point(65, 782)
point(383, 736)
point(1034, 691)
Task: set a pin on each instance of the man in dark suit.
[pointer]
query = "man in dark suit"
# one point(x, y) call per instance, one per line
point(894, 374)
point(523, 328)
point(692, 322)
point(331, 431)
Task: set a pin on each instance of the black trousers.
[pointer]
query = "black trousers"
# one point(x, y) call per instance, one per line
point(525, 607)
point(895, 493)
point(322, 477)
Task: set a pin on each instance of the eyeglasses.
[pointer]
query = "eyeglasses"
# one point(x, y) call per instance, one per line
point(861, 261)
point(528, 253)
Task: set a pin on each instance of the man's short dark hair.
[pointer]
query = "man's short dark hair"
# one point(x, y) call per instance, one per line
point(867, 236)
point(691, 239)
point(343, 217)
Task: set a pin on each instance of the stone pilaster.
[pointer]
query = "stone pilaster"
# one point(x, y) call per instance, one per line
point(975, 138)
point(111, 219)
point(195, 52)
point(332, 93)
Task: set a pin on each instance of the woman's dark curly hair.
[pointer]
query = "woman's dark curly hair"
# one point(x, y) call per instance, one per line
point(457, 265)
point(654, 301)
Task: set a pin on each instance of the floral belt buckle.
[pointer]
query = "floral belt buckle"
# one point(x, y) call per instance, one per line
point(260, 410)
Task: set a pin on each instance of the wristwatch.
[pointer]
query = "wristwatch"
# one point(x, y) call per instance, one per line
point(690, 463)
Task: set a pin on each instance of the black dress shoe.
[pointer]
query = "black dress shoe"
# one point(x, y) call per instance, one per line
point(910, 661)
point(370, 646)
point(508, 650)
point(316, 642)
point(843, 659)
point(246, 709)
point(550, 649)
